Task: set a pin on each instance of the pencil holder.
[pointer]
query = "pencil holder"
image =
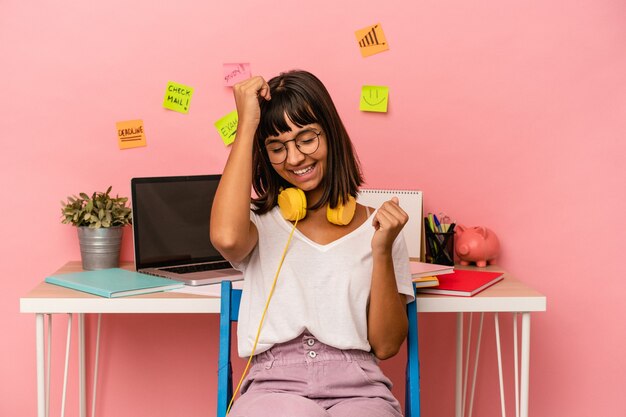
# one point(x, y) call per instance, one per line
point(440, 247)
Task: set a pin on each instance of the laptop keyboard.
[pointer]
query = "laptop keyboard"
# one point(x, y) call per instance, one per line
point(187, 269)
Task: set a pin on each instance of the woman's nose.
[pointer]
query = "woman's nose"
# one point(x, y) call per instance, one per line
point(294, 156)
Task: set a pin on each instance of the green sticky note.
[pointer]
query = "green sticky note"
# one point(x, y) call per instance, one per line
point(227, 127)
point(374, 98)
point(177, 97)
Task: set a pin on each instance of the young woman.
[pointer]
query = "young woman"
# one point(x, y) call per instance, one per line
point(339, 301)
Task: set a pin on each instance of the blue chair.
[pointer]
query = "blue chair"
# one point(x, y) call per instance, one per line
point(229, 312)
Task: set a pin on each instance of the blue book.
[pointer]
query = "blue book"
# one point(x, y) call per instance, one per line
point(113, 282)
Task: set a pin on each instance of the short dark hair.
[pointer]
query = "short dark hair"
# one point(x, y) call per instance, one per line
point(305, 100)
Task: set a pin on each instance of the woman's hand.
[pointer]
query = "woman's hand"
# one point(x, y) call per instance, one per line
point(247, 94)
point(388, 222)
point(387, 322)
point(232, 232)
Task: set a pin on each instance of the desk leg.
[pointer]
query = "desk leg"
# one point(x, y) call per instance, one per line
point(48, 362)
point(67, 361)
point(480, 335)
point(525, 359)
point(468, 349)
point(499, 356)
point(458, 411)
point(39, 342)
point(516, 363)
point(95, 367)
point(82, 391)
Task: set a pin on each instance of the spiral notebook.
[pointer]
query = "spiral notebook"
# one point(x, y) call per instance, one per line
point(411, 202)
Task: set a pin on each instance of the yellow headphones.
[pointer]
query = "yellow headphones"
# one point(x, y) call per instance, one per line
point(292, 204)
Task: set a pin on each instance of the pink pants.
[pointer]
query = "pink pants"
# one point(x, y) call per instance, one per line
point(306, 378)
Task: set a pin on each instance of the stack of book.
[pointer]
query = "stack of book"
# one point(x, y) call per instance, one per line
point(425, 274)
point(463, 283)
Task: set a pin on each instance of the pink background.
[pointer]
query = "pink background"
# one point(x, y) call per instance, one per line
point(510, 115)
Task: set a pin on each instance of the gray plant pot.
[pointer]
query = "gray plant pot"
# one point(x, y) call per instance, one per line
point(100, 248)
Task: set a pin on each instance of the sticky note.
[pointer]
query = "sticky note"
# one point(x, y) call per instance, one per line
point(177, 97)
point(131, 134)
point(374, 98)
point(371, 40)
point(227, 127)
point(233, 73)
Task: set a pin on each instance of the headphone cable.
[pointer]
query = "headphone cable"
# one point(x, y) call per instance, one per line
point(267, 303)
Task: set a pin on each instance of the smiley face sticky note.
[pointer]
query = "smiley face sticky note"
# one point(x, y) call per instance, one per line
point(227, 127)
point(374, 98)
point(177, 97)
point(371, 40)
point(233, 73)
point(130, 134)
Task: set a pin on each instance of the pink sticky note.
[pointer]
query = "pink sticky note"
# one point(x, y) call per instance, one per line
point(233, 73)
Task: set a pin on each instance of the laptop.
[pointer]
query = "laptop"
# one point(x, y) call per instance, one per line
point(171, 229)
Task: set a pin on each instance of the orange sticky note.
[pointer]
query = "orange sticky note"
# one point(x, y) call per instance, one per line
point(371, 40)
point(131, 134)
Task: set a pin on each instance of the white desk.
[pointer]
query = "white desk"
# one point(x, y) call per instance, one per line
point(509, 295)
point(48, 299)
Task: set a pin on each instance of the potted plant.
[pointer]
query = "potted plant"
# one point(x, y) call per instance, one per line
point(100, 220)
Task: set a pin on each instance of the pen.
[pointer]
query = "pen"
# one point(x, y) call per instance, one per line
point(435, 227)
point(449, 256)
point(450, 234)
point(427, 225)
point(445, 221)
point(431, 221)
point(437, 224)
point(430, 243)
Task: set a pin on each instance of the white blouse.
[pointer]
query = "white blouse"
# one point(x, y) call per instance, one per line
point(323, 289)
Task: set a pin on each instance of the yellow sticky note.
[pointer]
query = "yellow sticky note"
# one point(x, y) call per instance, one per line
point(131, 134)
point(227, 127)
point(177, 97)
point(374, 98)
point(371, 40)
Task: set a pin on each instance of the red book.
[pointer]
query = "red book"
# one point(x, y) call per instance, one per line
point(463, 282)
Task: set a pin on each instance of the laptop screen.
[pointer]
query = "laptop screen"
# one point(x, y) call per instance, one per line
point(171, 220)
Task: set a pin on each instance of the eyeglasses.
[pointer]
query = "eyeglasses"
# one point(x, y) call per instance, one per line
point(307, 143)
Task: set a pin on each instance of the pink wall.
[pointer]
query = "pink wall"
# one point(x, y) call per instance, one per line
point(506, 114)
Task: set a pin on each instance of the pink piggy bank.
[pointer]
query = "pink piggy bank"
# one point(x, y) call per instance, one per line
point(476, 244)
